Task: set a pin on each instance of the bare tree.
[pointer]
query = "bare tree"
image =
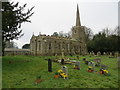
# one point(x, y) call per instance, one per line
point(89, 33)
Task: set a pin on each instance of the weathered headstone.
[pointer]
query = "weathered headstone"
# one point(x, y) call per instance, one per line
point(104, 53)
point(110, 53)
point(107, 53)
point(98, 53)
point(49, 65)
point(104, 66)
point(93, 53)
point(97, 61)
point(65, 69)
point(116, 54)
point(92, 64)
point(77, 65)
point(90, 53)
point(85, 61)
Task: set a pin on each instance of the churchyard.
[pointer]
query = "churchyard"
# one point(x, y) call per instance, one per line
point(22, 71)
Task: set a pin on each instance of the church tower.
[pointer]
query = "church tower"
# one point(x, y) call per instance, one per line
point(78, 32)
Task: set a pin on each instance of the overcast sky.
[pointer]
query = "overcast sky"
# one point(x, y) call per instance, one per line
point(51, 16)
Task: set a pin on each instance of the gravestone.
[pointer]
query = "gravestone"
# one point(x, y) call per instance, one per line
point(116, 54)
point(98, 53)
point(85, 61)
point(103, 66)
point(97, 61)
point(107, 53)
point(104, 53)
point(77, 65)
point(65, 69)
point(62, 61)
point(90, 53)
point(110, 53)
point(93, 53)
point(92, 64)
point(49, 65)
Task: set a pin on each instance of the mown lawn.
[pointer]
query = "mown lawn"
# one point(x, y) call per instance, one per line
point(21, 72)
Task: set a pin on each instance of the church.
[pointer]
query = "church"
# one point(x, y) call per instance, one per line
point(55, 45)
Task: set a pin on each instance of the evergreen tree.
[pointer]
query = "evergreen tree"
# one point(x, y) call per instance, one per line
point(26, 46)
point(13, 16)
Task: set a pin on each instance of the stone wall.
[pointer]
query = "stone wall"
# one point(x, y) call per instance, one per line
point(13, 51)
point(46, 45)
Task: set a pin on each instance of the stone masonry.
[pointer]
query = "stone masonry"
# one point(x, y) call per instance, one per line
point(55, 45)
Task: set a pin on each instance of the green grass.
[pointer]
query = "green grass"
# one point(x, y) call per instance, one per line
point(23, 70)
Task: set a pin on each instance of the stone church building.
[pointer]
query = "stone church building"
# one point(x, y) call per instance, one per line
point(55, 45)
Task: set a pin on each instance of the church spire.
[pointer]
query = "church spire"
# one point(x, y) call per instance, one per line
point(78, 17)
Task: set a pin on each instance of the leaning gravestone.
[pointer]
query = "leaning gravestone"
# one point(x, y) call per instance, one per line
point(65, 69)
point(49, 65)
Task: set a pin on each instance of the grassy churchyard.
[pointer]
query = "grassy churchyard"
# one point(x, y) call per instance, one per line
point(21, 72)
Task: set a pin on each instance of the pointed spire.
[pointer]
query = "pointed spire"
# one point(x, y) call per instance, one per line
point(78, 17)
point(39, 33)
point(33, 33)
